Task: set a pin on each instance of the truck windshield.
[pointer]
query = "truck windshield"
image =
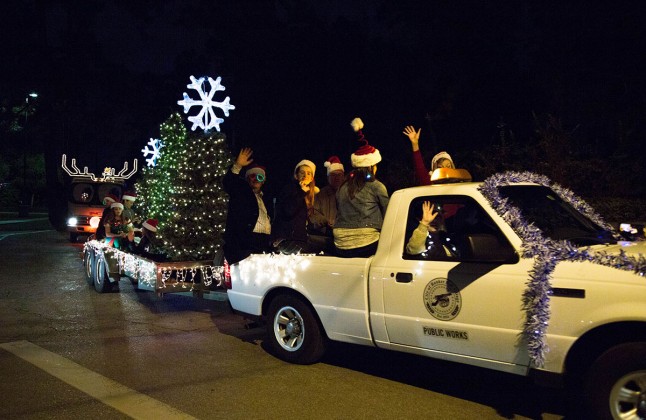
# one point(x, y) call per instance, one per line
point(555, 217)
point(93, 193)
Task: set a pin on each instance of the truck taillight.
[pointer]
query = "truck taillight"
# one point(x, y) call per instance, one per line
point(227, 275)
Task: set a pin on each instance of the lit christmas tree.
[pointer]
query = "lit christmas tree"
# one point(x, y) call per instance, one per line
point(184, 192)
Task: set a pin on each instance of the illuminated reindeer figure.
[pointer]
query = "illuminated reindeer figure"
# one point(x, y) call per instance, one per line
point(108, 173)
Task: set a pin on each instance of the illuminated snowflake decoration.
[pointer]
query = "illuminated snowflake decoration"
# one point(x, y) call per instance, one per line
point(154, 151)
point(206, 118)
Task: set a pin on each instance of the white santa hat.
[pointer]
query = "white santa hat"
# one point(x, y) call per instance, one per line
point(116, 204)
point(437, 158)
point(150, 224)
point(366, 155)
point(333, 164)
point(130, 195)
point(304, 162)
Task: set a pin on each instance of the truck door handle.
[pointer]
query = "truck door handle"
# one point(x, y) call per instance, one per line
point(404, 277)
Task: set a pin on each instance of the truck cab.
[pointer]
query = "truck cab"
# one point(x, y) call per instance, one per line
point(86, 193)
point(85, 204)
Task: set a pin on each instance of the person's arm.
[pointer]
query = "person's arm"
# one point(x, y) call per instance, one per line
point(382, 197)
point(421, 173)
point(232, 183)
point(291, 200)
point(417, 242)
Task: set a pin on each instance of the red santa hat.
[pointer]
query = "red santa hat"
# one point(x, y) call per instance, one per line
point(129, 195)
point(254, 170)
point(304, 162)
point(116, 204)
point(150, 224)
point(333, 164)
point(366, 155)
point(109, 199)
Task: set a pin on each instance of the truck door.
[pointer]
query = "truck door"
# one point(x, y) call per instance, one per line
point(461, 291)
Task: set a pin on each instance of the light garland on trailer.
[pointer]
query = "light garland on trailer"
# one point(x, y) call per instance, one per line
point(145, 271)
point(547, 253)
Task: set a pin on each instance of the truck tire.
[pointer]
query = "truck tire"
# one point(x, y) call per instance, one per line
point(616, 384)
point(89, 263)
point(73, 237)
point(101, 276)
point(293, 331)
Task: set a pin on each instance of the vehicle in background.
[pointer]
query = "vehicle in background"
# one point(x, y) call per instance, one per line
point(86, 194)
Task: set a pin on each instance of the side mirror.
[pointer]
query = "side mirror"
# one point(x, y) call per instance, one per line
point(485, 247)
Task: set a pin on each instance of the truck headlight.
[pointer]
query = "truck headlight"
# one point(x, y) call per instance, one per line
point(94, 222)
point(72, 221)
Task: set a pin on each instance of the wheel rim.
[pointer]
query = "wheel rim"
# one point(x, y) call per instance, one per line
point(628, 396)
point(88, 265)
point(289, 328)
point(100, 273)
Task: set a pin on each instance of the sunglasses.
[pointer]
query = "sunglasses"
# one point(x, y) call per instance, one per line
point(259, 177)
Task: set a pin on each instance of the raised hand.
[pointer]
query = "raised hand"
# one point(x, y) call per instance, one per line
point(244, 157)
point(413, 136)
point(427, 213)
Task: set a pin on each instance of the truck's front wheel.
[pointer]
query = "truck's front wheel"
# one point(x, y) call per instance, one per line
point(616, 385)
point(293, 331)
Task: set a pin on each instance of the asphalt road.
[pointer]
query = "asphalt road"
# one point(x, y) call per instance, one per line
point(67, 351)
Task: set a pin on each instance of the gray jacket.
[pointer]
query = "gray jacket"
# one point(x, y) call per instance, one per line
point(366, 210)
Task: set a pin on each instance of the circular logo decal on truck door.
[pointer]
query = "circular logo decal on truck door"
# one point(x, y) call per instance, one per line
point(442, 299)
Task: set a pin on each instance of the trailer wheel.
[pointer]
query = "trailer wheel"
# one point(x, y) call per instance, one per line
point(101, 276)
point(293, 331)
point(89, 263)
point(616, 385)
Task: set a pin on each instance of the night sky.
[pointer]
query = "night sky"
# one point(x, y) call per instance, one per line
point(109, 72)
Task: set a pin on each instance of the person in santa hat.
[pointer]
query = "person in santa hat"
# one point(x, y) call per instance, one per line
point(107, 201)
point(148, 246)
point(294, 205)
point(440, 160)
point(128, 199)
point(323, 215)
point(248, 226)
point(118, 229)
point(361, 203)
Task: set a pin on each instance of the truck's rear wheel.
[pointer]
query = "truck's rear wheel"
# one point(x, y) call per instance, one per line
point(616, 385)
point(89, 263)
point(293, 331)
point(101, 276)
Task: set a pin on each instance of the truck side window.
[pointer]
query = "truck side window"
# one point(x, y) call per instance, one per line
point(461, 231)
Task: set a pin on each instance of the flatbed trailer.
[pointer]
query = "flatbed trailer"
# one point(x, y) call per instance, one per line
point(104, 266)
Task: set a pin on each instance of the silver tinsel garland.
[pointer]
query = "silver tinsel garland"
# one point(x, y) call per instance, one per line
point(547, 253)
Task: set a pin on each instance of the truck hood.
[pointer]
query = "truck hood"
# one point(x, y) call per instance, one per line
point(630, 248)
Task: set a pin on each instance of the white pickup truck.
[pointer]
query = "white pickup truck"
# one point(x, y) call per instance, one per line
point(521, 276)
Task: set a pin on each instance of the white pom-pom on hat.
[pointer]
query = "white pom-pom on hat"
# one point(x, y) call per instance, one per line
point(357, 124)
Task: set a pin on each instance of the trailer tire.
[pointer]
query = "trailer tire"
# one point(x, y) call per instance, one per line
point(294, 333)
point(89, 261)
point(101, 275)
point(616, 384)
